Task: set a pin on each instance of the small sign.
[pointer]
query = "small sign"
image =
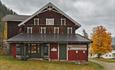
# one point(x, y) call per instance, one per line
point(53, 49)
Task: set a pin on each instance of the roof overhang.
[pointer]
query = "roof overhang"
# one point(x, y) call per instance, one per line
point(49, 4)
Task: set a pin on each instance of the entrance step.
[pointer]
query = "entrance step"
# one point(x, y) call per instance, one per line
point(35, 59)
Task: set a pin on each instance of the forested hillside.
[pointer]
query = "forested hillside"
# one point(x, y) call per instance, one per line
point(4, 10)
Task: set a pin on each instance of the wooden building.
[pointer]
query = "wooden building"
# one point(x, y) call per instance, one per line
point(47, 34)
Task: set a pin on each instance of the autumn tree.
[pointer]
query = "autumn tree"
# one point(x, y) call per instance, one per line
point(101, 41)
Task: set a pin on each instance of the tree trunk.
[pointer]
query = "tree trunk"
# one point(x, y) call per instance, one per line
point(99, 55)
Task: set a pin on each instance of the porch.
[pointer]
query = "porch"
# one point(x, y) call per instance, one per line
point(48, 51)
point(50, 47)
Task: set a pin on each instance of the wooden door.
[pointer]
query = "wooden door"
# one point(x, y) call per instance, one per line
point(62, 51)
point(54, 51)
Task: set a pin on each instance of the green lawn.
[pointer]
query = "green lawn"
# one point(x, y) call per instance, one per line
point(8, 63)
point(106, 60)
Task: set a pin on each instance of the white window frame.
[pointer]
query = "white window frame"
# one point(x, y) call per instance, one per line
point(63, 19)
point(56, 28)
point(69, 30)
point(35, 21)
point(49, 21)
point(43, 28)
point(29, 30)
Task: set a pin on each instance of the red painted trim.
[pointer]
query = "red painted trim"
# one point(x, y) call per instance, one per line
point(14, 50)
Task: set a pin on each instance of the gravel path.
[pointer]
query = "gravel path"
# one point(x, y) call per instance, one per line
point(106, 65)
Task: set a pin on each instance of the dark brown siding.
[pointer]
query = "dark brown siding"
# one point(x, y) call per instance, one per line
point(50, 28)
point(12, 28)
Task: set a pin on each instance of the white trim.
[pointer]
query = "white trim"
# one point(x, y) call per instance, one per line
point(41, 30)
point(49, 21)
point(49, 52)
point(67, 52)
point(53, 6)
point(29, 30)
point(77, 48)
point(58, 51)
point(56, 28)
point(69, 30)
point(35, 21)
point(63, 19)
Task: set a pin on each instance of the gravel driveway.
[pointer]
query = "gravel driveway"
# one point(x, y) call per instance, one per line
point(106, 65)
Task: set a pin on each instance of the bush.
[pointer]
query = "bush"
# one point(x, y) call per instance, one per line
point(2, 51)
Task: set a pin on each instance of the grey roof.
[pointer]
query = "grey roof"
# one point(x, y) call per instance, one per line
point(49, 38)
point(49, 4)
point(15, 17)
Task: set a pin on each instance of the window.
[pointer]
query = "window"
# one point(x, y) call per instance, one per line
point(29, 29)
point(69, 30)
point(34, 48)
point(63, 21)
point(56, 30)
point(43, 30)
point(18, 49)
point(49, 21)
point(36, 21)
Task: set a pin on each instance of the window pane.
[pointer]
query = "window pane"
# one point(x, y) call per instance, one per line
point(36, 21)
point(49, 21)
point(29, 29)
point(63, 21)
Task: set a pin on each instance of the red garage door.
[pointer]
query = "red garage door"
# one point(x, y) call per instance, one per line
point(72, 55)
point(82, 55)
point(53, 51)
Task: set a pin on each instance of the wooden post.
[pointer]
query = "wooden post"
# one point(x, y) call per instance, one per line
point(24, 51)
point(87, 51)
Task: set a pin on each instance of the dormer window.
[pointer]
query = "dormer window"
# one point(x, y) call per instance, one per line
point(63, 21)
point(43, 30)
point(49, 21)
point(69, 30)
point(29, 30)
point(36, 21)
point(56, 30)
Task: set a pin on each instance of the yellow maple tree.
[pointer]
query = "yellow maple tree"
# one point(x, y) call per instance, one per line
point(101, 41)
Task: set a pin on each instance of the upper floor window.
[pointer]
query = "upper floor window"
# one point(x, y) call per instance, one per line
point(43, 30)
point(29, 29)
point(49, 21)
point(36, 21)
point(56, 30)
point(63, 21)
point(69, 30)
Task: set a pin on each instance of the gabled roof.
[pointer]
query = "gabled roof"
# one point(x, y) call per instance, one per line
point(65, 38)
point(15, 17)
point(49, 4)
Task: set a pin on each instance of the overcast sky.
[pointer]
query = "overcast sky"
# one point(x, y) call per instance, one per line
point(89, 13)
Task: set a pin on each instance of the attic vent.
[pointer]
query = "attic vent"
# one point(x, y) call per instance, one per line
point(49, 7)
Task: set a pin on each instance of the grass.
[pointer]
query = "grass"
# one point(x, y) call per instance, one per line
point(8, 63)
point(106, 60)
